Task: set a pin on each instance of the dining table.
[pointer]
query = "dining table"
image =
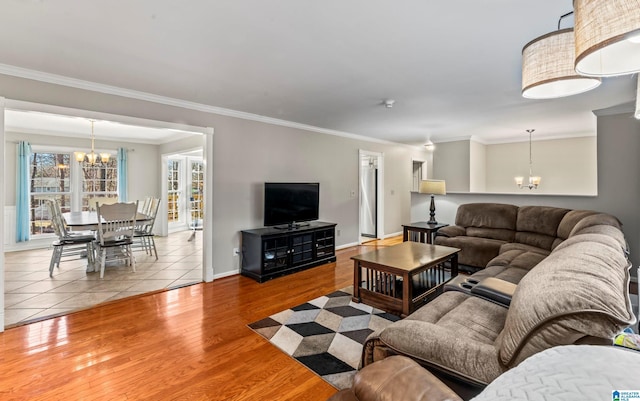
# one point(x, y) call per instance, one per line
point(88, 220)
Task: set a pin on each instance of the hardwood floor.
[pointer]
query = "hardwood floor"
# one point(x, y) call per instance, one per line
point(191, 343)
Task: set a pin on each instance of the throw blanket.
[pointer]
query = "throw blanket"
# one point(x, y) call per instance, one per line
point(569, 373)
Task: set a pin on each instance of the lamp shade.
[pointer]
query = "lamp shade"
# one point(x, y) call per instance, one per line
point(433, 187)
point(606, 35)
point(548, 67)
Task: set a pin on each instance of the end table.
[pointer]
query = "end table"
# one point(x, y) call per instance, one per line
point(421, 231)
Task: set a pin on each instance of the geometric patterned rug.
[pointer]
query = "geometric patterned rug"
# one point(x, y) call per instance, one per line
point(325, 334)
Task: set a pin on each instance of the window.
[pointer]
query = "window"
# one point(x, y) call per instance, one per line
point(49, 179)
point(197, 186)
point(174, 190)
point(73, 185)
point(99, 181)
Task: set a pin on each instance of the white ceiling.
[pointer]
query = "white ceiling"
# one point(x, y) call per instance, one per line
point(453, 67)
point(32, 122)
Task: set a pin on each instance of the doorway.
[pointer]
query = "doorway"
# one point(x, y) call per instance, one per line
point(60, 137)
point(370, 200)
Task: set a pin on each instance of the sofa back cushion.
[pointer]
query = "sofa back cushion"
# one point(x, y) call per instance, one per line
point(491, 233)
point(579, 293)
point(570, 220)
point(596, 219)
point(538, 225)
point(487, 215)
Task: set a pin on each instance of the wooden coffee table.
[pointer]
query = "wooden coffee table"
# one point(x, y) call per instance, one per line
point(400, 278)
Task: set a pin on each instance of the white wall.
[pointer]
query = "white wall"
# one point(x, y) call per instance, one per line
point(477, 167)
point(567, 166)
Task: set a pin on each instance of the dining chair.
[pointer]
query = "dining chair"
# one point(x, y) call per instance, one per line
point(145, 206)
point(69, 243)
point(101, 200)
point(143, 236)
point(116, 224)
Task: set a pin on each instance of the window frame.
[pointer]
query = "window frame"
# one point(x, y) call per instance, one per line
point(76, 180)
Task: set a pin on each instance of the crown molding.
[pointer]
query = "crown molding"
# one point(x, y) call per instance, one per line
point(46, 77)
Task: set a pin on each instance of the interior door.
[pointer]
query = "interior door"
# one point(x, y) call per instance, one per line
point(368, 197)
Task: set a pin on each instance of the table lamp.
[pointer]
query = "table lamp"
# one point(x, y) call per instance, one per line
point(433, 187)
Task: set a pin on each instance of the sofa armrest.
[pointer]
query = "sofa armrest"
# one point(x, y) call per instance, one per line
point(452, 231)
point(396, 378)
point(494, 289)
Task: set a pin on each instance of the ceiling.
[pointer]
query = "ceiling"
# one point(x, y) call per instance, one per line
point(34, 122)
point(452, 67)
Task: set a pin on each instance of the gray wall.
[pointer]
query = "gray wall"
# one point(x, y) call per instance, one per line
point(618, 184)
point(248, 153)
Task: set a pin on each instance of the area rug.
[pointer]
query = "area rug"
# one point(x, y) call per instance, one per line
point(325, 334)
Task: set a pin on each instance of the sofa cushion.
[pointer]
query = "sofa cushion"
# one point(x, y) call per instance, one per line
point(596, 220)
point(505, 272)
point(518, 258)
point(601, 223)
point(492, 233)
point(570, 220)
point(488, 215)
point(474, 251)
point(579, 293)
point(516, 246)
point(538, 225)
point(455, 332)
point(451, 231)
point(540, 219)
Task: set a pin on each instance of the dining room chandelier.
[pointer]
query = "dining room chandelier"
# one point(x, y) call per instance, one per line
point(92, 157)
point(534, 181)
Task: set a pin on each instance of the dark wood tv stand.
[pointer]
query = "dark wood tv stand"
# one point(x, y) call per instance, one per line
point(271, 252)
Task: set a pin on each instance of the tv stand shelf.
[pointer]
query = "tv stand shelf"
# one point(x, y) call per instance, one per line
point(272, 252)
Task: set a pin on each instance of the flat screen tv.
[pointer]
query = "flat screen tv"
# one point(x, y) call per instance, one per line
point(288, 203)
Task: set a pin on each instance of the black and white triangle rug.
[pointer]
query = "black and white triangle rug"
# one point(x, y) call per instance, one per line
point(325, 334)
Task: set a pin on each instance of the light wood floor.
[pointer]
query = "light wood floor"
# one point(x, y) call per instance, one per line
point(191, 343)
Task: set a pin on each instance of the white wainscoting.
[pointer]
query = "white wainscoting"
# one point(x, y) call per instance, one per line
point(10, 244)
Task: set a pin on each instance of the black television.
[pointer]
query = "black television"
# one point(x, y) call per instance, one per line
point(289, 203)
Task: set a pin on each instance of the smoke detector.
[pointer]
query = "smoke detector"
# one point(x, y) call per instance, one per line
point(388, 103)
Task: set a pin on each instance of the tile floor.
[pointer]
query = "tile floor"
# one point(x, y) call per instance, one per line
point(30, 294)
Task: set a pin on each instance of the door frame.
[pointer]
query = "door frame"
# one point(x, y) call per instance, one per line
point(379, 194)
point(207, 158)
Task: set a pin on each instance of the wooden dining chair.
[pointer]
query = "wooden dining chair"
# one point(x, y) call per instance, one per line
point(143, 237)
point(69, 243)
point(116, 225)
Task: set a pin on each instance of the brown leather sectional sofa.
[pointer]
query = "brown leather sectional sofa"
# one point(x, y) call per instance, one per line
point(565, 277)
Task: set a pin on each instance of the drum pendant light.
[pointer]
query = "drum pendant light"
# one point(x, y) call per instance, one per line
point(607, 36)
point(548, 67)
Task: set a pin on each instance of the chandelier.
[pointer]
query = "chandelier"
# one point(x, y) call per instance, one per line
point(92, 157)
point(534, 181)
